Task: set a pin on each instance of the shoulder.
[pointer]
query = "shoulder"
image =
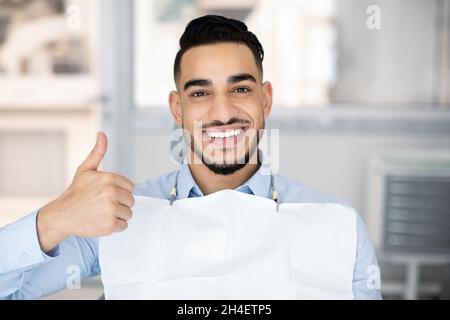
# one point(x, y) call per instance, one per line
point(158, 187)
point(293, 191)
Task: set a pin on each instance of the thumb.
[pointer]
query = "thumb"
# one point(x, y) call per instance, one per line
point(96, 155)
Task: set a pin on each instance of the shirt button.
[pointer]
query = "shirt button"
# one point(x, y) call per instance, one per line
point(25, 256)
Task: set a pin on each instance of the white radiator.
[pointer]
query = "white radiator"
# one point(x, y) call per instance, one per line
point(408, 214)
point(409, 201)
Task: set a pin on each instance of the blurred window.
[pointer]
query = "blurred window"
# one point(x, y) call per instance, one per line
point(47, 44)
point(317, 53)
point(297, 36)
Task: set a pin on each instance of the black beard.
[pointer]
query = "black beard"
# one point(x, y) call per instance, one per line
point(229, 168)
point(225, 168)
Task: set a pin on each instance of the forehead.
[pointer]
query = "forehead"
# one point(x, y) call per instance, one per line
point(217, 62)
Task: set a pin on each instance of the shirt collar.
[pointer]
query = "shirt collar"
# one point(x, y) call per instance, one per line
point(186, 185)
point(258, 184)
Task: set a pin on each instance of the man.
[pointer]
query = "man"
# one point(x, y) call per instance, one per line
point(221, 102)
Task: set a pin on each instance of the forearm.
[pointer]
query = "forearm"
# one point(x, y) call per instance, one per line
point(19, 253)
point(26, 272)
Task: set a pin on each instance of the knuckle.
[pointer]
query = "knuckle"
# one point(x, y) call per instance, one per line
point(129, 200)
point(115, 209)
point(110, 191)
point(110, 177)
point(110, 208)
point(129, 213)
point(127, 183)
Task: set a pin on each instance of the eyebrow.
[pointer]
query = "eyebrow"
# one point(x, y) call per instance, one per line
point(235, 78)
point(197, 82)
point(240, 77)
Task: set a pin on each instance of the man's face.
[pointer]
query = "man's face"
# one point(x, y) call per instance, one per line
point(222, 102)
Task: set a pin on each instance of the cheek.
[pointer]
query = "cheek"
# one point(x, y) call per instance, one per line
point(189, 116)
point(193, 126)
point(255, 112)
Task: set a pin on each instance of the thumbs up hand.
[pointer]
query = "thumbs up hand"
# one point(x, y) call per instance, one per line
point(95, 204)
point(96, 155)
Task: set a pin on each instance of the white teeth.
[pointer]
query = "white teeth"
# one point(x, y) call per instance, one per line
point(224, 134)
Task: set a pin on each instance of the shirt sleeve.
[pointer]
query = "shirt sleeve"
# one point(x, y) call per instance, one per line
point(366, 275)
point(28, 273)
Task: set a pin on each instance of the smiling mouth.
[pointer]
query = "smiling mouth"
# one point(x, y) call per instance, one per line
point(224, 137)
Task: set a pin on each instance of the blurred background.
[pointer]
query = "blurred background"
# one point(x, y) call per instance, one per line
point(361, 98)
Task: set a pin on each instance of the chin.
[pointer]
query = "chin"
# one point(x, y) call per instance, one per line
point(225, 169)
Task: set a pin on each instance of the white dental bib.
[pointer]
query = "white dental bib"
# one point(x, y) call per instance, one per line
point(231, 245)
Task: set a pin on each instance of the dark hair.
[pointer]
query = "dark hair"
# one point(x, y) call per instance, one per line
point(212, 29)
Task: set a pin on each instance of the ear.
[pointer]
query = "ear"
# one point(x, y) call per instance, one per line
point(267, 98)
point(175, 106)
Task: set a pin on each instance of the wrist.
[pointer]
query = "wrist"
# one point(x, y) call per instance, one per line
point(50, 229)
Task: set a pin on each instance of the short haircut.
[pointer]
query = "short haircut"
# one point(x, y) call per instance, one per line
point(212, 29)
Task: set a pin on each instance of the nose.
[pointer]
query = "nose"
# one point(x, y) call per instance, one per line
point(222, 109)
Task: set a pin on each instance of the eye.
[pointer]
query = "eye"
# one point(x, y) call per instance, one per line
point(241, 90)
point(198, 94)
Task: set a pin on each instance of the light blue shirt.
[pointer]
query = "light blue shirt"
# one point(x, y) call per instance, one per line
point(28, 273)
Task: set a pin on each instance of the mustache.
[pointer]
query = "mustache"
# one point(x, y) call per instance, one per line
point(217, 123)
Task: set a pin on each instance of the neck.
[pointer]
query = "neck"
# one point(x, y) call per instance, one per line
point(210, 182)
